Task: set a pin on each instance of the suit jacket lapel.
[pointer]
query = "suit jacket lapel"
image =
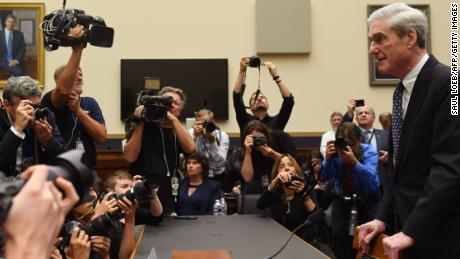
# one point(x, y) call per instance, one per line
point(415, 102)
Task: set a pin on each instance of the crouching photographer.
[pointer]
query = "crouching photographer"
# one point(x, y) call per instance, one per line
point(353, 167)
point(28, 134)
point(156, 137)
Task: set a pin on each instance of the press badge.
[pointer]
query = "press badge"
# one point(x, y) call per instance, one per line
point(79, 145)
point(211, 173)
point(265, 181)
point(175, 185)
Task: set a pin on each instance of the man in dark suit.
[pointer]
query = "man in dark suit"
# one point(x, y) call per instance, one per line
point(12, 48)
point(422, 202)
point(24, 139)
point(377, 138)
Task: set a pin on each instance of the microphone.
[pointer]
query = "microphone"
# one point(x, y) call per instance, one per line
point(314, 218)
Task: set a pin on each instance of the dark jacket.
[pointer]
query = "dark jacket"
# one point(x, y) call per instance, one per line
point(9, 144)
point(19, 46)
point(423, 199)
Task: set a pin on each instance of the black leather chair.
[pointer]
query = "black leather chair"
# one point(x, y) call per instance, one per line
point(247, 205)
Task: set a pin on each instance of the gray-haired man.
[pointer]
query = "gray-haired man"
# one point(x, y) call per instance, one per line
point(25, 140)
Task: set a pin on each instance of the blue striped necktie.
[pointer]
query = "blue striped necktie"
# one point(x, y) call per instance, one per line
point(9, 48)
point(397, 119)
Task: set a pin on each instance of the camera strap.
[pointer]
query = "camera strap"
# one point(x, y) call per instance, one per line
point(174, 178)
point(257, 92)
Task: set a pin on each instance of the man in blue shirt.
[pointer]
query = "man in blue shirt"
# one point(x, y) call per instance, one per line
point(79, 118)
point(353, 167)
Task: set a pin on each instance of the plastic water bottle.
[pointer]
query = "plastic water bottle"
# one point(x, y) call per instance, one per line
point(224, 206)
point(217, 208)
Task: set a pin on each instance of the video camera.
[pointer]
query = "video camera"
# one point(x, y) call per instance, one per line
point(295, 177)
point(155, 106)
point(56, 27)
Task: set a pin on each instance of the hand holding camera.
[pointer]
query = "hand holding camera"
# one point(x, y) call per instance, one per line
point(272, 69)
point(44, 131)
point(24, 115)
point(100, 245)
point(248, 143)
point(79, 245)
point(128, 207)
point(348, 157)
point(244, 63)
point(107, 204)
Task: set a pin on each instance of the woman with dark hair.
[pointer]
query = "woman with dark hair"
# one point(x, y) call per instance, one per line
point(290, 205)
point(322, 189)
point(261, 147)
point(197, 194)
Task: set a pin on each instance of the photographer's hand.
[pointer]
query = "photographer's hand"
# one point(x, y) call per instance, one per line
point(283, 176)
point(198, 128)
point(128, 208)
point(24, 115)
point(297, 186)
point(268, 151)
point(108, 204)
point(348, 156)
point(79, 245)
point(330, 150)
point(384, 156)
point(45, 210)
point(271, 68)
point(156, 209)
point(211, 136)
point(351, 105)
point(244, 63)
point(100, 245)
point(248, 142)
point(77, 32)
point(55, 254)
point(44, 131)
point(74, 102)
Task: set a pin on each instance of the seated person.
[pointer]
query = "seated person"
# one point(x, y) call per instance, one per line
point(24, 140)
point(289, 204)
point(213, 144)
point(197, 194)
point(150, 213)
point(261, 148)
point(354, 171)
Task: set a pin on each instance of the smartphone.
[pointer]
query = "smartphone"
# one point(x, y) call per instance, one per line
point(359, 103)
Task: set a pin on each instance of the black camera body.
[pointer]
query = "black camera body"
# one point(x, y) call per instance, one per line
point(155, 106)
point(209, 126)
point(259, 141)
point(56, 27)
point(359, 103)
point(254, 61)
point(340, 144)
point(295, 177)
point(40, 112)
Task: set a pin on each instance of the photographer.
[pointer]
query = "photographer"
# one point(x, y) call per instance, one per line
point(79, 118)
point(289, 205)
point(353, 167)
point(259, 107)
point(153, 149)
point(261, 148)
point(36, 214)
point(150, 213)
point(25, 139)
point(211, 142)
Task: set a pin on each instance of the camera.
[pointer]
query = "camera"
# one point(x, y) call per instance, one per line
point(209, 126)
point(359, 103)
point(259, 141)
point(142, 192)
point(67, 165)
point(254, 61)
point(155, 106)
point(295, 177)
point(40, 112)
point(56, 27)
point(340, 144)
point(100, 226)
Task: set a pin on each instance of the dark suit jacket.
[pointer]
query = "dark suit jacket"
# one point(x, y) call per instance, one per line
point(19, 46)
point(9, 144)
point(424, 198)
point(382, 140)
